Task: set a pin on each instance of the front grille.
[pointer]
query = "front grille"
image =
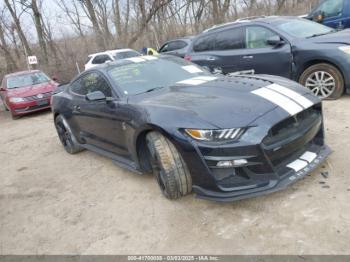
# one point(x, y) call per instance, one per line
point(31, 108)
point(35, 98)
point(292, 135)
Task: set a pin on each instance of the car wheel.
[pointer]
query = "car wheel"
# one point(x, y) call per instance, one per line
point(66, 136)
point(324, 80)
point(168, 166)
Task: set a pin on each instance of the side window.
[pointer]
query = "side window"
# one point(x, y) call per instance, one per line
point(100, 59)
point(91, 82)
point(204, 43)
point(164, 48)
point(176, 45)
point(331, 8)
point(257, 36)
point(230, 39)
point(77, 87)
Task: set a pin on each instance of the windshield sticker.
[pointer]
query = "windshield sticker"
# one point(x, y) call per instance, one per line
point(192, 69)
point(136, 59)
point(304, 102)
point(149, 57)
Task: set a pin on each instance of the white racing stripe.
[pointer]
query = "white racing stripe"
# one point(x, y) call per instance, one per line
point(197, 80)
point(192, 81)
point(149, 57)
point(192, 69)
point(136, 59)
point(306, 103)
point(282, 101)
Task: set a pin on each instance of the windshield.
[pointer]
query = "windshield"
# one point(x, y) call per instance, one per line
point(127, 54)
point(304, 28)
point(142, 76)
point(27, 80)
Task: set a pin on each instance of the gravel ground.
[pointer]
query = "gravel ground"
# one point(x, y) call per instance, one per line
point(55, 203)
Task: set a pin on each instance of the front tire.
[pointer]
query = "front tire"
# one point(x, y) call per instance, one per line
point(324, 80)
point(168, 166)
point(66, 136)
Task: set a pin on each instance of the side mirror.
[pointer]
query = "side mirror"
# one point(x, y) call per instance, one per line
point(318, 17)
point(275, 41)
point(96, 96)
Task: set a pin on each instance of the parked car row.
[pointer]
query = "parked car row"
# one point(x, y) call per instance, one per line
point(222, 136)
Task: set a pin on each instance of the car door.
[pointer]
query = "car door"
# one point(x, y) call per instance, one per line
point(335, 13)
point(220, 51)
point(262, 57)
point(100, 122)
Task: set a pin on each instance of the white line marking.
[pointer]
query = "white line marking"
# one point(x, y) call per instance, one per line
point(282, 101)
point(308, 156)
point(297, 165)
point(306, 103)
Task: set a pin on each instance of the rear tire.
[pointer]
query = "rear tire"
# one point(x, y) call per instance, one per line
point(168, 166)
point(324, 80)
point(66, 136)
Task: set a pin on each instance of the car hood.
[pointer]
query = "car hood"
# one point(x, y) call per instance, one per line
point(224, 103)
point(31, 90)
point(340, 37)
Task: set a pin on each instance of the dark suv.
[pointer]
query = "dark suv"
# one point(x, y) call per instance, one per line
point(314, 55)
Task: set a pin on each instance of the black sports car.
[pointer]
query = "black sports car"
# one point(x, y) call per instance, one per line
point(225, 138)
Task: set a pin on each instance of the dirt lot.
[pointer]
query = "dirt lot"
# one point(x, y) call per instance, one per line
point(54, 203)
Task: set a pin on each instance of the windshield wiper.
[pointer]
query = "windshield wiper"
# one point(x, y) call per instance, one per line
point(316, 35)
point(154, 89)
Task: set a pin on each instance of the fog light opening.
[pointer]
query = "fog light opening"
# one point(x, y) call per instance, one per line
point(232, 163)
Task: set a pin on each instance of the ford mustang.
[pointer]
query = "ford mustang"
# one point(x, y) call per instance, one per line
point(225, 138)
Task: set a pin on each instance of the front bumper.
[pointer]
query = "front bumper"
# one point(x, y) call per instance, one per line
point(27, 107)
point(281, 182)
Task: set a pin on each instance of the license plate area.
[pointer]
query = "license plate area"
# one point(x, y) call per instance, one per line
point(42, 103)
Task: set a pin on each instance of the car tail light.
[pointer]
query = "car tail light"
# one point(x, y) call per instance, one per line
point(188, 57)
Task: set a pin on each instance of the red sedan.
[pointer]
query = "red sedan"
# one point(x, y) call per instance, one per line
point(26, 92)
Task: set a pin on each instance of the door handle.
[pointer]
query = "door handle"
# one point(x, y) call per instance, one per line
point(248, 57)
point(211, 58)
point(77, 108)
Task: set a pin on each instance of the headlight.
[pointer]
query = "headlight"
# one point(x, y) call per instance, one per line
point(345, 49)
point(16, 99)
point(216, 135)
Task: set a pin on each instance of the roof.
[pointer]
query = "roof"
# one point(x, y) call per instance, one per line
point(115, 51)
point(263, 19)
point(22, 73)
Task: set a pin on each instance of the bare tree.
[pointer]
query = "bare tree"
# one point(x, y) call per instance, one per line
point(10, 62)
point(15, 17)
